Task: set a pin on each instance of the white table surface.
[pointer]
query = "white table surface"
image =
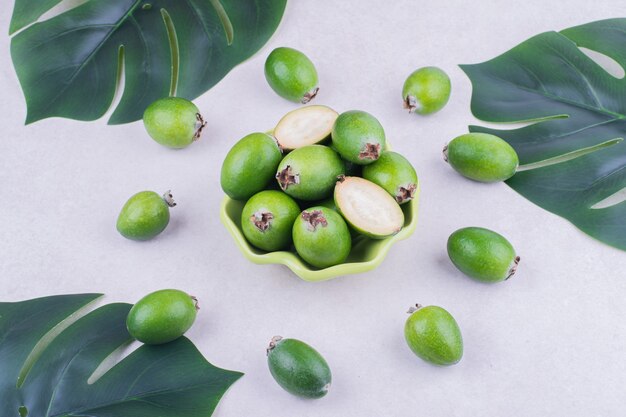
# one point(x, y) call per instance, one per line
point(551, 341)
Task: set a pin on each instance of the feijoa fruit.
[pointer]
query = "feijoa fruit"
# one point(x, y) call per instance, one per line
point(267, 220)
point(145, 215)
point(482, 254)
point(426, 90)
point(368, 207)
point(162, 316)
point(298, 368)
point(173, 122)
point(395, 174)
point(433, 335)
point(305, 126)
point(250, 165)
point(482, 157)
point(358, 137)
point(321, 237)
point(292, 75)
point(309, 173)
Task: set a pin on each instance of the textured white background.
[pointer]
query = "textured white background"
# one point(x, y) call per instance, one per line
point(549, 342)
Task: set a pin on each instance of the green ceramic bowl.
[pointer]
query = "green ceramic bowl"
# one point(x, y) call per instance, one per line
point(366, 253)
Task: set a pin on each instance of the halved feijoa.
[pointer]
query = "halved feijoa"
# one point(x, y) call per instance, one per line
point(267, 220)
point(291, 74)
point(309, 173)
point(368, 207)
point(298, 368)
point(305, 126)
point(250, 165)
point(482, 157)
point(482, 254)
point(321, 237)
point(358, 137)
point(395, 174)
point(433, 335)
point(162, 316)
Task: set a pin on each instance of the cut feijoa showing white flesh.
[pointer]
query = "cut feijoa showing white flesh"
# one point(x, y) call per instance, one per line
point(368, 207)
point(305, 126)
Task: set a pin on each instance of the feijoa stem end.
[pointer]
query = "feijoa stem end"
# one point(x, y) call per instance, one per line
point(513, 269)
point(310, 95)
point(341, 178)
point(273, 343)
point(200, 126)
point(410, 103)
point(262, 220)
point(413, 309)
point(286, 177)
point(314, 218)
point(169, 198)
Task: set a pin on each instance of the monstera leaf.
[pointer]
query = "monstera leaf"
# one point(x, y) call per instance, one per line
point(52, 365)
point(70, 65)
point(573, 153)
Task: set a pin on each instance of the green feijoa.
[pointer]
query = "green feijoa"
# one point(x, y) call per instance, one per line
point(309, 173)
point(481, 157)
point(433, 335)
point(426, 90)
point(267, 219)
point(368, 207)
point(358, 137)
point(321, 237)
point(292, 75)
point(250, 166)
point(162, 316)
point(482, 254)
point(395, 174)
point(173, 122)
point(298, 368)
point(145, 215)
point(307, 125)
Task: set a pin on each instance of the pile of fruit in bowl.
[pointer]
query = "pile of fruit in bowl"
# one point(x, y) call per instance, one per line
point(322, 193)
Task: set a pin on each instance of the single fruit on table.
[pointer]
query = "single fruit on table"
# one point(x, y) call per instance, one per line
point(482, 254)
point(291, 75)
point(145, 215)
point(426, 90)
point(162, 316)
point(298, 368)
point(482, 157)
point(321, 237)
point(267, 219)
point(368, 207)
point(250, 165)
point(305, 126)
point(395, 174)
point(433, 335)
point(358, 137)
point(310, 173)
point(173, 122)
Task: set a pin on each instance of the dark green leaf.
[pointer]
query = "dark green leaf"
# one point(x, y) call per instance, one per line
point(573, 154)
point(171, 380)
point(69, 65)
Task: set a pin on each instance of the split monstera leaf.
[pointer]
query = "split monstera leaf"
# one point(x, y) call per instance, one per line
point(572, 152)
point(55, 364)
point(70, 65)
